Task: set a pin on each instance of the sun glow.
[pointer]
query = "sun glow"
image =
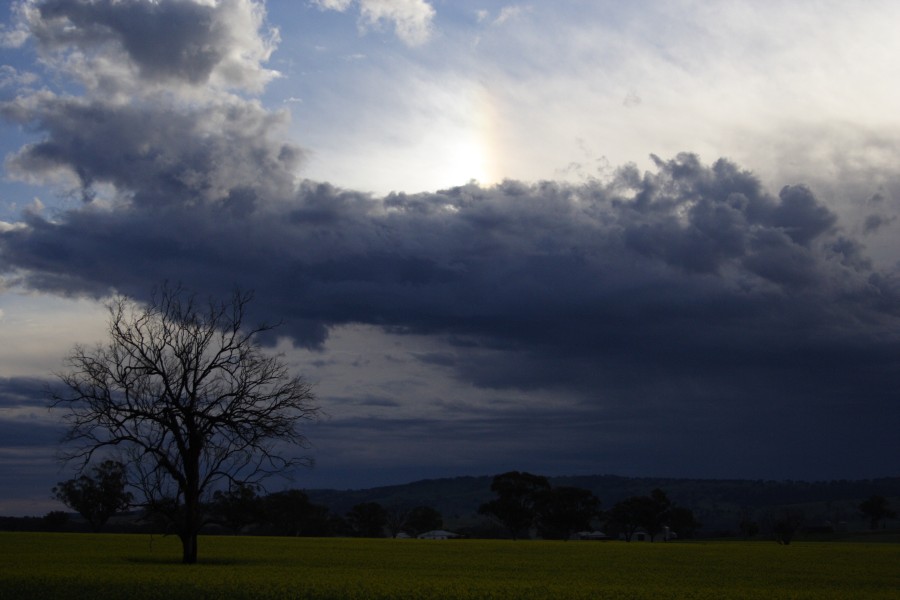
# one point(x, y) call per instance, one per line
point(467, 160)
point(466, 147)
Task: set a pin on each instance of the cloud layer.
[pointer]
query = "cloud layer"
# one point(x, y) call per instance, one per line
point(684, 302)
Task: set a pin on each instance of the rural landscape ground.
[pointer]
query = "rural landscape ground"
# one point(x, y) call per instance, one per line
point(848, 561)
point(144, 567)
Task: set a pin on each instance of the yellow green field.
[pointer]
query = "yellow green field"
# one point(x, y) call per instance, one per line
point(138, 567)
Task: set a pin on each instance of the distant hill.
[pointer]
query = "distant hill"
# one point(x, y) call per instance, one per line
point(718, 504)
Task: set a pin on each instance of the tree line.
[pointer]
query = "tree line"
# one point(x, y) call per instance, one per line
point(527, 505)
point(524, 506)
point(101, 494)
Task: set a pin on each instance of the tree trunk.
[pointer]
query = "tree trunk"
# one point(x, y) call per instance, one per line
point(189, 548)
point(192, 517)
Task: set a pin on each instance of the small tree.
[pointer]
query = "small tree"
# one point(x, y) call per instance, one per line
point(368, 519)
point(564, 510)
point(877, 510)
point(630, 514)
point(516, 504)
point(656, 513)
point(748, 526)
point(96, 497)
point(395, 519)
point(422, 519)
point(187, 394)
point(55, 520)
point(291, 513)
point(236, 508)
point(682, 522)
point(786, 524)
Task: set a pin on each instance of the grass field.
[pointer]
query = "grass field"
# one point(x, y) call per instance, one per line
point(139, 567)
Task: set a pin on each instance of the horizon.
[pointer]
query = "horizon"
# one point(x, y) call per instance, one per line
point(584, 237)
point(551, 478)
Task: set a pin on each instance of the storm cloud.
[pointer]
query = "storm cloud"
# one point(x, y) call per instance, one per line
point(692, 266)
point(683, 300)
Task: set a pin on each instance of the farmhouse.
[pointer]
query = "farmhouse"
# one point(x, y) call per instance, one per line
point(438, 534)
point(592, 535)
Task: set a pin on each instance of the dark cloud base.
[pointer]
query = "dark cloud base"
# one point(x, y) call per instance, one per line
point(678, 303)
point(688, 312)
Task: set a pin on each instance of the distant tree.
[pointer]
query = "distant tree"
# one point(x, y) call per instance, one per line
point(682, 522)
point(877, 510)
point(656, 514)
point(748, 526)
point(185, 391)
point(55, 520)
point(652, 513)
point(338, 525)
point(291, 513)
point(786, 524)
point(368, 519)
point(562, 511)
point(515, 505)
point(236, 508)
point(395, 519)
point(96, 496)
point(631, 514)
point(422, 519)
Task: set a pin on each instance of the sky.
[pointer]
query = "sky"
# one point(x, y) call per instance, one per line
point(639, 238)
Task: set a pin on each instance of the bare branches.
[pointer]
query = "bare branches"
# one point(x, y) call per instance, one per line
point(183, 387)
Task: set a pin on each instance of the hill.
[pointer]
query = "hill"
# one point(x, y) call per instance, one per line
point(718, 504)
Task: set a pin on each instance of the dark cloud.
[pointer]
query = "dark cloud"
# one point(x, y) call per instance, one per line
point(164, 41)
point(190, 51)
point(24, 392)
point(226, 152)
point(691, 269)
point(685, 308)
point(25, 419)
point(875, 222)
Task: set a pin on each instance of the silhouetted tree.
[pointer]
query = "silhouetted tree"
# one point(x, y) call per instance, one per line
point(236, 508)
point(630, 514)
point(682, 522)
point(877, 510)
point(422, 519)
point(185, 391)
point(291, 513)
point(515, 505)
point(55, 520)
point(748, 526)
point(97, 496)
point(652, 513)
point(395, 519)
point(656, 513)
point(786, 524)
point(368, 519)
point(561, 511)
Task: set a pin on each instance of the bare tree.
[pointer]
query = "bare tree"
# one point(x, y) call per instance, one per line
point(184, 392)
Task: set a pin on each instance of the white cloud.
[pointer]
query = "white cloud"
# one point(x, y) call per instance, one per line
point(509, 12)
point(10, 77)
point(339, 5)
point(16, 36)
point(412, 19)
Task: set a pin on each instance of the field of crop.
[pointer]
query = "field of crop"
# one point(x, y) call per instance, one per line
point(141, 567)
